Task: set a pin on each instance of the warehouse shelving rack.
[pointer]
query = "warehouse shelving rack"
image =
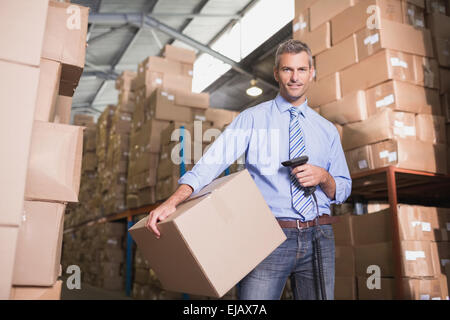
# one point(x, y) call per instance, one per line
point(404, 186)
point(130, 213)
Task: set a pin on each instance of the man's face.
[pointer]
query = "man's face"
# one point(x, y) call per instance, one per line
point(294, 75)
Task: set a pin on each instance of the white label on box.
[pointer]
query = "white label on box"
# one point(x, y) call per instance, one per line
point(390, 99)
point(396, 62)
point(444, 262)
point(409, 131)
point(372, 39)
point(296, 27)
point(413, 255)
point(420, 23)
point(424, 297)
point(158, 81)
point(398, 131)
point(448, 226)
point(163, 156)
point(201, 118)
point(362, 164)
point(384, 154)
point(392, 157)
point(112, 241)
point(163, 93)
point(436, 298)
point(426, 226)
point(398, 124)
point(171, 97)
point(411, 12)
point(191, 73)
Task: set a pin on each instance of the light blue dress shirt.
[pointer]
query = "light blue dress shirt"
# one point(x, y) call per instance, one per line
point(262, 133)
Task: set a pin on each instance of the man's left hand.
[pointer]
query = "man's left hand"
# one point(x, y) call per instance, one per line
point(309, 175)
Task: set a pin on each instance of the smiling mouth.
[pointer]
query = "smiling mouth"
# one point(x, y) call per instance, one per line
point(295, 85)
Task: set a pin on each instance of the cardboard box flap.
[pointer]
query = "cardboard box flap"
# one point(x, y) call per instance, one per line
point(215, 184)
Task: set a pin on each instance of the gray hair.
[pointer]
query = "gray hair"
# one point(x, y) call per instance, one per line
point(295, 47)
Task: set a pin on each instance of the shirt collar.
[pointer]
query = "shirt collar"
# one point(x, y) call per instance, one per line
point(284, 105)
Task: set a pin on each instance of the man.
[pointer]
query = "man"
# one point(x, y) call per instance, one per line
point(298, 130)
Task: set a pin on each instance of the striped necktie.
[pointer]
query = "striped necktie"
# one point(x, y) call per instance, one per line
point(296, 149)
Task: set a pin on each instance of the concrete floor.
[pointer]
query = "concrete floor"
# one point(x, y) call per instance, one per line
point(88, 292)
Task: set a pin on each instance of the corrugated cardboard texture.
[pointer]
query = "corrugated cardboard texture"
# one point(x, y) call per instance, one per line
point(196, 265)
point(324, 91)
point(351, 108)
point(431, 128)
point(63, 109)
point(318, 40)
point(47, 90)
point(323, 10)
point(359, 159)
point(54, 167)
point(8, 241)
point(39, 243)
point(18, 90)
point(22, 23)
point(179, 54)
point(426, 72)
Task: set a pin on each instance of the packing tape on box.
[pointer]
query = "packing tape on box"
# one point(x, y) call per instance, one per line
point(386, 101)
point(414, 255)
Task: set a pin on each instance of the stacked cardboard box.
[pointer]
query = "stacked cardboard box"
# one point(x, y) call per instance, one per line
point(46, 171)
point(377, 76)
point(102, 262)
point(364, 243)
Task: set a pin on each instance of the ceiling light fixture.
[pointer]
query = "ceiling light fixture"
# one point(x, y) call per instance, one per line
point(254, 91)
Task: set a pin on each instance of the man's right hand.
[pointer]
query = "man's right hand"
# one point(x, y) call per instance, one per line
point(167, 208)
point(159, 214)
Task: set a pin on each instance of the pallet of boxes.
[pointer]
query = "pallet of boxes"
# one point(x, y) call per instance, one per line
point(40, 69)
point(379, 75)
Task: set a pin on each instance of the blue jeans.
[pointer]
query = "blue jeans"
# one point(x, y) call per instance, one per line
point(295, 258)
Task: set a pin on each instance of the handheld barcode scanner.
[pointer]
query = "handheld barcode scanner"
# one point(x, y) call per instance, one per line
point(310, 191)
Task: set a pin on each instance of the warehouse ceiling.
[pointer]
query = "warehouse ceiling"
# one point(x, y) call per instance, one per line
point(116, 42)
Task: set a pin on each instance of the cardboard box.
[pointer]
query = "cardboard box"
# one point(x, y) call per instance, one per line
point(18, 91)
point(220, 117)
point(442, 50)
point(337, 58)
point(242, 246)
point(179, 54)
point(63, 109)
point(431, 128)
point(413, 15)
point(384, 125)
point(318, 40)
point(413, 289)
point(439, 25)
point(382, 66)
point(123, 82)
point(149, 137)
point(351, 108)
point(147, 161)
point(302, 5)
point(410, 154)
point(402, 96)
point(343, 232)
point(300, 24)
point(38, 253)
point(441, 252)
point(444, 75)
point(345, 288)
point(395, 36)
point(345, 261)
point(417, 258)
point(426, 72)
point(357, 17)
point(47, 90)
point(148, 67)
point(8, 241)
point(436, 6)
point(359, 159)
point(164, 106)
point(54, 166)
point(323, 10)
point(324, 91)
point(22, 24)
point(65, 38)
point(84, 120)
point(37, 293)
point(445, 103)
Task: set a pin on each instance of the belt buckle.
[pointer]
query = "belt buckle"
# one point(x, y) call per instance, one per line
point(299, 227)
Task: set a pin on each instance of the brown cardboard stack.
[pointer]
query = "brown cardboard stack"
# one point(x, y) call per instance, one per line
point(47, 171)
point(102, 262)
point(377, 75)
point(19, 80)
point(366, 241)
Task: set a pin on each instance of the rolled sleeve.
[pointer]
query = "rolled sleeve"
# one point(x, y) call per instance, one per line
point(228, 147)
point(338, 169)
